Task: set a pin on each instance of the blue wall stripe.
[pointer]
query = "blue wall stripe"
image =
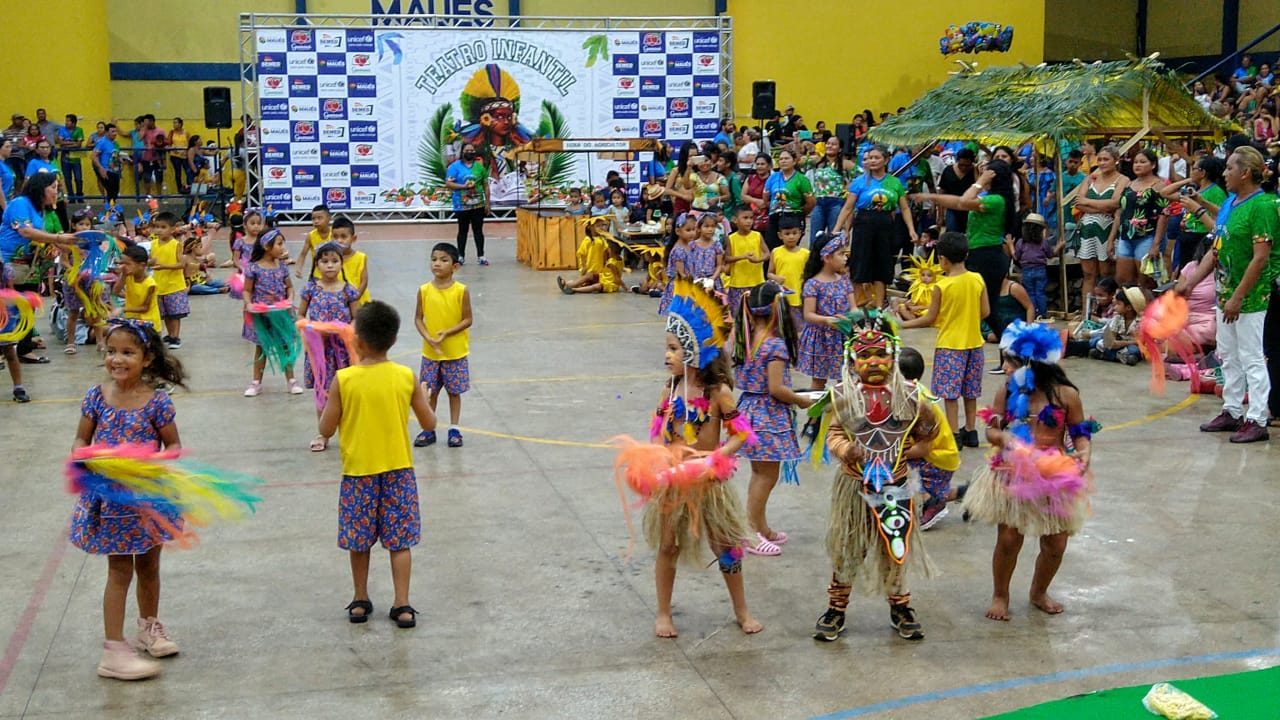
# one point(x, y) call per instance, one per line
point(1049, 678)
point(207, 72)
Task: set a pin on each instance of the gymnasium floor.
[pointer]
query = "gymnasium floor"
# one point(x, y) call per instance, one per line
point(528, 606)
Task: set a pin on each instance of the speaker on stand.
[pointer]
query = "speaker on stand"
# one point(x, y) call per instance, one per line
point(217, 117)
point(763, 105)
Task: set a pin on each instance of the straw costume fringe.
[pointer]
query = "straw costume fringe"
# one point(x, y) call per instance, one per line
point(852, 537)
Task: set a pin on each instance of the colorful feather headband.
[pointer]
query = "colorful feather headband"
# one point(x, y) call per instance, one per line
point(869, 329)
point(1031, 342)
point(697, 320)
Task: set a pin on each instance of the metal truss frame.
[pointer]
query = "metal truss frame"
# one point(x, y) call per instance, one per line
point(250, 23)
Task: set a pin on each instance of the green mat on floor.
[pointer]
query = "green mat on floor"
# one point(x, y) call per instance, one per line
point(1240, 696)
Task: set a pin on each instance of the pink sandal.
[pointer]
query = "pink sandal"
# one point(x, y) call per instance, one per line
point(779, 537)
point(764, 546)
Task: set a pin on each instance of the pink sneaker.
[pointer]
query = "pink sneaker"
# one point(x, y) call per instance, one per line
point(254, 389)
point(120, 662)
point(153, 639)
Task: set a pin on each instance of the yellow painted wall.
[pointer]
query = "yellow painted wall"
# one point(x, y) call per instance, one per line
point(1091, 29)
point(1183, 28)
point(38, 74)
point(855, 55)
point(1257, 17)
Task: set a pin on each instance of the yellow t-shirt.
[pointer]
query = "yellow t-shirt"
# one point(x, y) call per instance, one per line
point(944, 454)
point(790, 265)
point(441, 310)
point(353, 267)
point(375, 417)
point(135, 295)
point(591, 252)
point(165, 252)
point(744, 273)
point(611, 278)
point(316, 239)
point(960, 311)
point(657, 271)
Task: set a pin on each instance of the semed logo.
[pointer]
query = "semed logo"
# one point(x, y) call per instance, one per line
point(301, 41)
point(332, 64)
point(270, 64)
point(652, 87)
point(364, 175)
point(274, 155)
point(335, 154)
point(332, 131)
point(331, 40)
point(363, 132)
point(679, 42)
point(679, 129)
point(360, 109)
point(706, 107)
point(624, 64)
point(302, 87)
point(360, 41)
point(364, 87)
point(274, 109)
point(363, 198)
point(306, 177)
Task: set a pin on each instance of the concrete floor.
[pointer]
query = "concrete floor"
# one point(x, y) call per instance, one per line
point(527, 606)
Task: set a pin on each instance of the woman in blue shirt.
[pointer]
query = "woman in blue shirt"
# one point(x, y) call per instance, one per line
point(6, 173)
point(23, 224)
point(868, 212)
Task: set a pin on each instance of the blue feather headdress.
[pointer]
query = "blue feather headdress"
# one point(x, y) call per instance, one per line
point(1031, 342)
point(696, 318)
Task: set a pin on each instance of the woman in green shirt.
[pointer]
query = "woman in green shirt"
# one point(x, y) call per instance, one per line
point(1204, 187)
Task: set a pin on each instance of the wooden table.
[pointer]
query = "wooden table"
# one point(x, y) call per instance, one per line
point(546, 238)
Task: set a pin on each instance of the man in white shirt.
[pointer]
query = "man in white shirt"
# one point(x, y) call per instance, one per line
point(1171, 160)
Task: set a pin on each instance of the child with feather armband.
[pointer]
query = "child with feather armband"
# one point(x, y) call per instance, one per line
point(368, 405)
point(683, 475)
point(129, 410)
point(1038, 480)
point(326, 300)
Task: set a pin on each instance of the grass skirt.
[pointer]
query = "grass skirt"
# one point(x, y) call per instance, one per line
point(988, 500)
point(857, 550)
point(709, 511)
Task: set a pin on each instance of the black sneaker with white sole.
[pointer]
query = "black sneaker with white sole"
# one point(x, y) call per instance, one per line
point(903, 619)
point(829, 626)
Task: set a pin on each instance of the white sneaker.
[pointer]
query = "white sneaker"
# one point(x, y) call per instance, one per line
point(295, 388)
point(120, 662)
point(154, 640)
point(254, 389)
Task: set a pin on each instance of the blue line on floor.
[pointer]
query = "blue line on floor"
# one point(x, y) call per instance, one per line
point(1042, 679)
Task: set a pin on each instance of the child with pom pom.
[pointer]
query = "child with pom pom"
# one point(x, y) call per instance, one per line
point(1037, 481)
point(129, 410)
point(684, 475)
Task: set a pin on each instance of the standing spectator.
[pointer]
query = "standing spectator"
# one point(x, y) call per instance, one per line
point(152, 156)
point(830, 176)
point(18, 153)
point(48, 128)
point(868, 215)
point(31, 138)
point(70, 140)
point(99, 132)
point(1245, 259)
point(7, 178)
point(725, 135)
point(136, 144)
point(725, 166)
point(469, 181)
point(754, 195)
point(955, 180)
point(749, 150)
point(1200, 194)
point(788, 192)
point(107, 163)
point(178, 145)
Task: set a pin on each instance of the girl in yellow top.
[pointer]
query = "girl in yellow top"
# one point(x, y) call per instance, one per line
point(959, 303)
point(169, 261)
point(745, 258)
point(354, 263)
point(593, 255)
point(443, 319)
point(369, 405)
point(138, 287)
point(786, 267)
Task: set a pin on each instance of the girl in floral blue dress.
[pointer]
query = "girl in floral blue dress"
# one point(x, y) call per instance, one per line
point(828, 295)
point(328, 298)
point(128, 409)
point(706, 254)
point(765, 343)
point(266, 281)
point(683, 232)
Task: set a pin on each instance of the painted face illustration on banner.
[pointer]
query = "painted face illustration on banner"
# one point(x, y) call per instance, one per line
point(490, 109)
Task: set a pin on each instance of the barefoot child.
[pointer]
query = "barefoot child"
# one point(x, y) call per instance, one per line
point(168, 262)
point(128, 410)
point(320, 234)
point(764, 344)
point(959, 303)
point(1038, 481)
point(368, 407)
point(694, 407)
point(329, 298)
point(443, 319)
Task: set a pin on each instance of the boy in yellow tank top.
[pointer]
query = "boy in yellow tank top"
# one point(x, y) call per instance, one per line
point(320, 234)
point(168, 261)
point(443, 319)
point(138, 287)
point(368, 407)
point(355, 264)
point(959, 303)
point(746, 257)
point(786, 266)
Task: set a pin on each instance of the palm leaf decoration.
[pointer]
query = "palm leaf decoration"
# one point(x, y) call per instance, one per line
point(597, 47)
point(431, 164)
point(558, 167)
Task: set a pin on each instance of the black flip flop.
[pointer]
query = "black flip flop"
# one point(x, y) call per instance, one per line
point(364, 605)
point(38, 360)
point(396, 612)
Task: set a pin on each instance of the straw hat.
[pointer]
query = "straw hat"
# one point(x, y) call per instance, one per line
point(1135, 297)
point(1035, 219)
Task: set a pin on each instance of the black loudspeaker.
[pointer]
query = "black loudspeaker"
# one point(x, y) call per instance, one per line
point(763, 93)
point(217, 108)
point(844, 133)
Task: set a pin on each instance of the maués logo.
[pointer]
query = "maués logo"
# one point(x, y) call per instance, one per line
point(334, 153)
point(364, 87)
point(364, 175)
point(676, 63)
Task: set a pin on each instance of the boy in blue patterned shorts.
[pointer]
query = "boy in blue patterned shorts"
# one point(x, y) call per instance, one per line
point(443, 319)
point(368, 406)
point(959, 303)
point(943, 459)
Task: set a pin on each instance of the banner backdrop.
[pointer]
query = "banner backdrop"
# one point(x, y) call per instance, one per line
point(368, 119)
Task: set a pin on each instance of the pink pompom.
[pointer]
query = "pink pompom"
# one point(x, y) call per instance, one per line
point(722, 466)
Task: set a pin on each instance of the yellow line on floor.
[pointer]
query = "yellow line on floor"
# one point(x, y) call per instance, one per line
point(1186, 403)
point(538, 441)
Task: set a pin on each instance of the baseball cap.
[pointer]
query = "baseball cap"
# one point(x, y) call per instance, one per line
point(17, 116)
point(791, 107)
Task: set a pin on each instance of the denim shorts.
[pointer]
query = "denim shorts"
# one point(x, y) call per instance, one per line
point(1135, 249)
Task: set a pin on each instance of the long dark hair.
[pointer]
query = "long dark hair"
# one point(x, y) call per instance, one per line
point(765, 295)
point(673, 237)
point(260, 247)
point(1002, 185)
point(35, 186)
point(815, 263)
point(1048, 378)
point(164, 366)
point(325, 249)
point(682, 158)
point(717, 372)
point(1212, 168)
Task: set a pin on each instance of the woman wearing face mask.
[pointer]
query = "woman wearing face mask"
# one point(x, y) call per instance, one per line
point(469, 181)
